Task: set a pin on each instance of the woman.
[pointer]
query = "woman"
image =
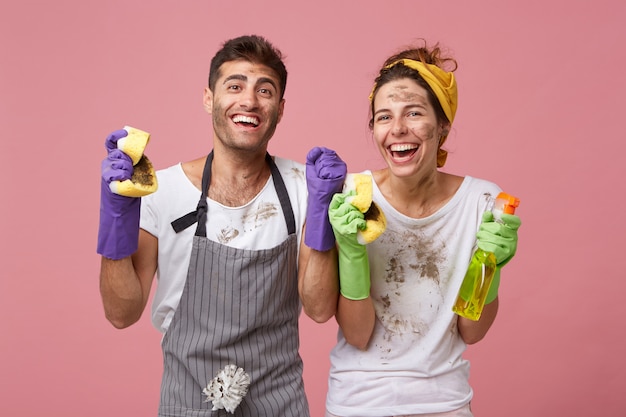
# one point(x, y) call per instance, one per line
point(400, 346)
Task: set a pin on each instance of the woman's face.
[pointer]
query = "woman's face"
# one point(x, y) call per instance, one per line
point(405, 128)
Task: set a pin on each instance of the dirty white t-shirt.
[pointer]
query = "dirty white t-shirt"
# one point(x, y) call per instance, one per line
point(260, 224)
point(414, 362)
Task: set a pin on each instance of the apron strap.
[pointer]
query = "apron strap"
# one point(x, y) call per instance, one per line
point(200, 214)
point(189, 219)
point(283, 195)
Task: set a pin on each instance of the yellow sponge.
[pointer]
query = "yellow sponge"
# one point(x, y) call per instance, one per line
point(362, 184)
point(375, 225)
point(144, 180)
point(375, 220)
point(134, 143)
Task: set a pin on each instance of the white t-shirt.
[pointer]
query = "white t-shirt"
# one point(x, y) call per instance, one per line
point(260, 224)
point(414, 362)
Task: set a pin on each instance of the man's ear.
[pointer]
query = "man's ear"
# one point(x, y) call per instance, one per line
point(207, 100)
point(281, 109)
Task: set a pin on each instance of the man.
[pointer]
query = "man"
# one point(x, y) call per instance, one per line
point(224, 235)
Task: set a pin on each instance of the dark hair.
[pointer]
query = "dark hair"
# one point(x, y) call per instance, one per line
point(252, 48)
point(427, 56)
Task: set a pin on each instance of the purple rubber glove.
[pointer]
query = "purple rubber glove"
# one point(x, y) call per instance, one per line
point(325, 174)
point(118, 234)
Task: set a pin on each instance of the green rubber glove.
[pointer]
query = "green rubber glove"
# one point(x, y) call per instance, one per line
point(354, 266)
point(500, 238)
point(493, 288)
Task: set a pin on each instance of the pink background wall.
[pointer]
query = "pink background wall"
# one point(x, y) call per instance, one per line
point(541, 113)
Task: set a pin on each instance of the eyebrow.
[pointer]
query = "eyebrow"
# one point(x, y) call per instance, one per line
point(404, 108)
point(242, 77)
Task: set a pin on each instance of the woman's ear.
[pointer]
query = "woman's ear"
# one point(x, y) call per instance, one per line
point(445, 129)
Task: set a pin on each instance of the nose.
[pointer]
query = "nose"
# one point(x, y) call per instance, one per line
point(399, 127)
point(249, 99)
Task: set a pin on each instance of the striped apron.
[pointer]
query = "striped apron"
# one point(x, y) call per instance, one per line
point(238, 307)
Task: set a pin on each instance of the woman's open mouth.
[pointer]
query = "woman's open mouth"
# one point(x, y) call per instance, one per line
point(400, 151)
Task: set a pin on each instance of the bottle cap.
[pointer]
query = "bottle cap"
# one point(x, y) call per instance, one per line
point(508, 203)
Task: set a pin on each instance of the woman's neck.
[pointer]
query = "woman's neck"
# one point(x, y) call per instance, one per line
point(417, 197)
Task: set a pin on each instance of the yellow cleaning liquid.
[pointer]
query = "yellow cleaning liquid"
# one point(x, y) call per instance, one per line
point(475, 287)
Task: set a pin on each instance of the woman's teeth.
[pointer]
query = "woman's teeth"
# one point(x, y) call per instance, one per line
point(402, 147)
point(403, 150)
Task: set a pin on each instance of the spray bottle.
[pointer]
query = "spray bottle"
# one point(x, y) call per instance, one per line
point(482, 267)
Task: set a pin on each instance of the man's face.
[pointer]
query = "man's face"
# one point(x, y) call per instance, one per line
point(245, 106)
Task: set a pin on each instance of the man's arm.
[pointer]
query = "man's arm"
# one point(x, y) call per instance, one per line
point(318, 276)
point(129, 255)
point(318, 282)
point(125, 283)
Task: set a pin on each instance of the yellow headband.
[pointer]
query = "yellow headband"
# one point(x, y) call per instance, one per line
point(441, 82)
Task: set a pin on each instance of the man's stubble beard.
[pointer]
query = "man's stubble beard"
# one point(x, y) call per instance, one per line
point(225, 135)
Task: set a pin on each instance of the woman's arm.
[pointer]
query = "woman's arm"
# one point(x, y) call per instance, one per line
point(474, 331)
point(356, 319)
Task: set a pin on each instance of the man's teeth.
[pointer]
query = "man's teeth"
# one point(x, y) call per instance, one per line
point(402, 147)
point(246, 119)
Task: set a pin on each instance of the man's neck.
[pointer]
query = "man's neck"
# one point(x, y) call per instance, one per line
point(236, 178)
